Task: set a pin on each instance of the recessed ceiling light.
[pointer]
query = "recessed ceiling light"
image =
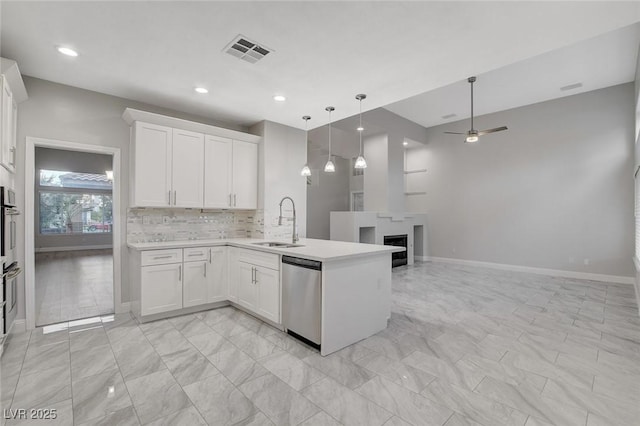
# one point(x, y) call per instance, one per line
point(67, 51)
point(201, 90)
point(405, 143)
point(279, 98)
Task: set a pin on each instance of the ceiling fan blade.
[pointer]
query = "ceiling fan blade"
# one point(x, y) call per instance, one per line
point(497, 129)
point(455, 133)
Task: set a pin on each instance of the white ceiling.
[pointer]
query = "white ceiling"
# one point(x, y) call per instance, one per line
point(325, 52)
point(598, 62)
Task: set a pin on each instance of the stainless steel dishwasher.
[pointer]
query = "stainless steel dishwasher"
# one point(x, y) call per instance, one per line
point(302, 299)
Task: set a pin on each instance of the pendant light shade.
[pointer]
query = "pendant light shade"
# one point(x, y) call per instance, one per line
point(361, 163)
point(329, 167)
point(305, 169)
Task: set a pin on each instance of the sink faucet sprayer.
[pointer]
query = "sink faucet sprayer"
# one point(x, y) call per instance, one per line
point(294, 233)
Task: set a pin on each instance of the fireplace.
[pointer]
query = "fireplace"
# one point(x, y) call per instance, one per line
point(400, 258)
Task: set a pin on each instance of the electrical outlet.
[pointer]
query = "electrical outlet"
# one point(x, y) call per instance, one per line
point(586, 262)
point(146, 220)
point(166, 219)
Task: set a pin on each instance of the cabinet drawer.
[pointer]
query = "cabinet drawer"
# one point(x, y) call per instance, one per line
point(259, 258)
point(193, 254)
point(160, 257)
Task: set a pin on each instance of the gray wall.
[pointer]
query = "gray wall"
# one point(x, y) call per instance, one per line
point(56, 111)
point(329, 193)
point(80, 162)
point(553, 190)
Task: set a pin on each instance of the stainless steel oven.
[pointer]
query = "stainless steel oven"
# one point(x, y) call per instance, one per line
point(10, 268)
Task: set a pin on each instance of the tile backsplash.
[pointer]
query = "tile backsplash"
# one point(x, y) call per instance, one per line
point(152, 224)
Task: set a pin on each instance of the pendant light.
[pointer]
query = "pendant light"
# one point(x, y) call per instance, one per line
point(329, 167)
point(305, 170)
point(361, 163)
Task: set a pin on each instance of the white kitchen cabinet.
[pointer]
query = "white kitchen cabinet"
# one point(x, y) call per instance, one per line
point(257, 281)
point(8, 124)
point(161, 288)
point(187, 170)
point(246, 287)
point(217, 172)
point(217, 275)
point(245, 175)
point(232, 274)
point(151, 170)
point(231, 173)
point(268, 285)
point(194, 286)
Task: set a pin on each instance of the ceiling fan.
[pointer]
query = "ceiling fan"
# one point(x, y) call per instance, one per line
point(473, 134)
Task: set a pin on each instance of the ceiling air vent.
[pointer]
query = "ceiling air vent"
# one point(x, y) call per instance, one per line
point(243, 48)
point(571, 87)
point(448, 116)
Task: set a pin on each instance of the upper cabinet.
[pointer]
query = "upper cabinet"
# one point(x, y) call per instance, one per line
point(230, 173)
point(178, 167)
point(9, 113)
point(151, 165)
point(12, 92)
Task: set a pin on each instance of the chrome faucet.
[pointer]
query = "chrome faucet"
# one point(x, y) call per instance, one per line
point(294, 234)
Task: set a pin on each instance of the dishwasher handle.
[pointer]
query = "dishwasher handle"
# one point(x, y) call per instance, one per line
point(302, 263)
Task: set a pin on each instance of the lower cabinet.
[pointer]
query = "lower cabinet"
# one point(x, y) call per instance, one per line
point(194, 286)
point(256, 276)
point(217, 275)
point(161, 288)
point(183, 278)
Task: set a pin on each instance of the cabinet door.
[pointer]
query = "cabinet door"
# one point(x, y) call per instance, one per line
point(245, 175)
point(247, 289)
point(194, 286)
point(217, 172)
point(152, 165)
point(187, 169)
point(217, 275)
point(7, 154)
point(268, 283)
point(161, 288)
point(232, 274)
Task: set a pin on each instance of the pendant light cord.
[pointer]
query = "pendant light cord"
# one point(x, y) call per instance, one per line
point(329, 135)
point(472, 105)
point(360, 129)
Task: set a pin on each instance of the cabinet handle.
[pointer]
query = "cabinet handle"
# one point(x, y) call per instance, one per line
point(230, 204)
point(255, 281)
point(209, 255)
point(13, 156)
point(195, 254)
point(175, 197)
point(253, 270)
point(234, 200)
point(205, 269)
point(180, 273)
point(162, 257)
point(169, 197)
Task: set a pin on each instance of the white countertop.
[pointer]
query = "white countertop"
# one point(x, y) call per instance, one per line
point(322, 250)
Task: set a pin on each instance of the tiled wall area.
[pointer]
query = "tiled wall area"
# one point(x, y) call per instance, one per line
point(149, 225)
point(152, 224)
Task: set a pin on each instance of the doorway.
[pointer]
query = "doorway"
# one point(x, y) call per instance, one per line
point(72, 244)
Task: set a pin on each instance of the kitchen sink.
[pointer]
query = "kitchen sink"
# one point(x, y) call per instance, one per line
point(277, 244)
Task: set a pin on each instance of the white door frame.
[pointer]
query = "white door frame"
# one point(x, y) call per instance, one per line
point(29, 218)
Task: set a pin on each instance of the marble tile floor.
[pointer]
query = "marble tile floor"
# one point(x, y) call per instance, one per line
point(464, 346)
point(73, 284)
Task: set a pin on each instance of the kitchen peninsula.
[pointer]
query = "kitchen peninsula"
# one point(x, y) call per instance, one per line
point(178, 277)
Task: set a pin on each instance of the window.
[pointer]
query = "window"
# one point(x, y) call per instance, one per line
point(74, 203)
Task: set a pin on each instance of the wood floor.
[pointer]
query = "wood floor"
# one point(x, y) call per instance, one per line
point(72, 285)
point(464, 346)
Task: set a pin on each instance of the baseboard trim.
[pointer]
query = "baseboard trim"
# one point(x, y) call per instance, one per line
point(421, 258)
point(72, 248)
point(18, 326)
point(617, 279)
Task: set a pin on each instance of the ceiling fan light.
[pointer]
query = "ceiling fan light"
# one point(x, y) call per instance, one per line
point(329, 167)
point(305, 171)
point(471, 139)
point(361, 163)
